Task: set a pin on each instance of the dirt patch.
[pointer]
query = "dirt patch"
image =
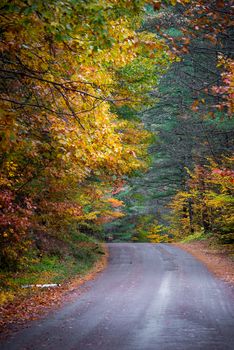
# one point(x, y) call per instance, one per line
point(17, 313)
point(217, 258)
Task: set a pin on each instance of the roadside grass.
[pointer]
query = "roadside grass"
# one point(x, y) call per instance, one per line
point(83, 253)
point(212, 241)
point(197, 236)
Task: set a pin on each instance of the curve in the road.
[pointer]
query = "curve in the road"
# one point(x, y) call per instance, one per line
point(151, 297)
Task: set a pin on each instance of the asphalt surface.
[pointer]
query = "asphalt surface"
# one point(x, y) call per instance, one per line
point(151, 297)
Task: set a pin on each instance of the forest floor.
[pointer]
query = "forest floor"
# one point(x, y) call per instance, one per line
point(40, 301)
point(219, 259)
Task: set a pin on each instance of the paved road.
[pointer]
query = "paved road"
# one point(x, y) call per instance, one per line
point(151, 297)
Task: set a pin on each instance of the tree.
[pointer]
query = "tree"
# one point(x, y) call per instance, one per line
point(191, 120)
point(210, 197)
point(66, 68)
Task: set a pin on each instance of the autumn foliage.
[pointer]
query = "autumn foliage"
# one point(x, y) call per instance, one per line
point(65, 72)
point(70, 73)
point(207, 205)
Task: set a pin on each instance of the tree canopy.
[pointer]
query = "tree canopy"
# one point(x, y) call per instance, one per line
point(66, 69)
point(86, 87)
point(192, 122)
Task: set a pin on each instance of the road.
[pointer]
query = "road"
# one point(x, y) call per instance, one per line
point(150, 297)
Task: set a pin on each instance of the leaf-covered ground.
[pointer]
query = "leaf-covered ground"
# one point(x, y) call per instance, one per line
point(40, 301)
point(218, 259)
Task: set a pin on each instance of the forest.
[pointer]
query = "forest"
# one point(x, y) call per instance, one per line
point(116, 125)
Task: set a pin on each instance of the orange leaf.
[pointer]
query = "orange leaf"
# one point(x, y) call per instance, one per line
point(157, 5)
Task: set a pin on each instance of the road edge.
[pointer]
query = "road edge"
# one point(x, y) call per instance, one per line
point(42, 303)
point(215, 259)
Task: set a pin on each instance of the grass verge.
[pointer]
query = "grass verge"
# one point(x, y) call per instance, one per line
point(197, 236)
point(20, 305)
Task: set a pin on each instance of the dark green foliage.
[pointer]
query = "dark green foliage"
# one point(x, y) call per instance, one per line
point(189, 129)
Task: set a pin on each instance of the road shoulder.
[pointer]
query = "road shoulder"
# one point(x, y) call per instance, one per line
point(216, 258)
point(16, 314)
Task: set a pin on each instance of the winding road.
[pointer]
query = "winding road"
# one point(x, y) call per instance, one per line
point(150, 297)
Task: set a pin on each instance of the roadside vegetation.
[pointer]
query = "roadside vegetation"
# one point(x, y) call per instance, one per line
point(74, 75)
point(56, 264)
point(116, 124)
point(188, 189)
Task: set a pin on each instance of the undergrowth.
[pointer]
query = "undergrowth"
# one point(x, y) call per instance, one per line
point(81, 253)
point(197, 236)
